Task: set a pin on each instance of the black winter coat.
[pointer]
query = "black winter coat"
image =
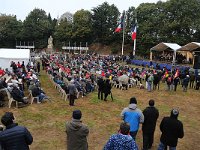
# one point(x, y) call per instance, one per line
point(100, 83)
point(150, 118)
point(36, 91)
point(171, 129)
point(15, 137)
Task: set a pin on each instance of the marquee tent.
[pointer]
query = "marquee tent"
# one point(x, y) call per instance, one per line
point(165, 46)
point(191, 47)
point(16, 55)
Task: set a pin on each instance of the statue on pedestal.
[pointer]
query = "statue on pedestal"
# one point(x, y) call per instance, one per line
point(50, 42)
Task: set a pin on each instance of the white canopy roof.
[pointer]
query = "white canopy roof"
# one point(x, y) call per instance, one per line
point(163, 46)
point(190, 47)
point(14, 53)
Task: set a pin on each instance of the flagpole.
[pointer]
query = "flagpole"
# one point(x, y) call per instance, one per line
point(134, 46)
point(123, 32)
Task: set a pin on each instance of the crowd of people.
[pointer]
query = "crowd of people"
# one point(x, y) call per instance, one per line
point(22, 78)
point(86, 73)
point(77, 132)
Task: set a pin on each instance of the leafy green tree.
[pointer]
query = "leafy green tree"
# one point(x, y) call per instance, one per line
point(183, 19)
point(82, 27)
point(37, 27)
point(63, 33)
point(104, 22)
point(10, 30)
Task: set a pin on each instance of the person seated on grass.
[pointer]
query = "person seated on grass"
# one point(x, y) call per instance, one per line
point(122, 140)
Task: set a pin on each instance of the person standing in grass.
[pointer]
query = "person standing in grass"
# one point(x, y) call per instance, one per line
point(133, 116)
point(122, 140)
point(171, 129)
point(14, 137)
point(77, 133)
point(148, 127)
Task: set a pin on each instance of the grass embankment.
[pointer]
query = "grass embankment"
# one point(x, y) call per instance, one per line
point(47, 121)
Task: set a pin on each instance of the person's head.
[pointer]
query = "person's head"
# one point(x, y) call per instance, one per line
point(151, 102)
point(124, 128)
point(7, 119)
point(133, 100)
point(174, 113)
point(76, 114)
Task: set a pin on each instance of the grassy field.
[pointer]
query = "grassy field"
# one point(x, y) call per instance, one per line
point(47, 121)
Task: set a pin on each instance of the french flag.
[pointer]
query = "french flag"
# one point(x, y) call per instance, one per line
point(119, 28)
point(133, 32)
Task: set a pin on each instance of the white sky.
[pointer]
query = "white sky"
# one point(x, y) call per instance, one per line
point(21, 8)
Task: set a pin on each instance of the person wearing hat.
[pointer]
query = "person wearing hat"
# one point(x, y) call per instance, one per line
point(76, 132)
point(14, 137)
point(171, 129)
point(133, 116)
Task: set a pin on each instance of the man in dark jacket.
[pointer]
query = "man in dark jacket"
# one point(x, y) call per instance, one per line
point(100, 84)
point(107, 89)
point(18, 95)
point(148, 127)
point(14, 137)
point(76, 133)
point(72, 92)
point(171, 129)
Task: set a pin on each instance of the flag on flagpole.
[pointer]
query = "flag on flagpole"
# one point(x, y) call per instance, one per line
point(121, 23)
point(119, 28)
point(133, 32)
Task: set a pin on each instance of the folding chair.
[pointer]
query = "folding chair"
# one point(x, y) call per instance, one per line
point(32, 97)
point(10, 100)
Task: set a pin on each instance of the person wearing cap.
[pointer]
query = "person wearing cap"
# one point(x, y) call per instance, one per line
point(133, 116)
point(76, 132)
point(14, 137)
point(148, 127)
point(171, 129)
point(122, 140)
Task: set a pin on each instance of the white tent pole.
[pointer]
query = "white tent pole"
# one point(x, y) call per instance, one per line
point(151, 55)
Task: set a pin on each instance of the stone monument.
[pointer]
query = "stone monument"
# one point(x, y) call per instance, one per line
point(50, 42)
point(50, 45)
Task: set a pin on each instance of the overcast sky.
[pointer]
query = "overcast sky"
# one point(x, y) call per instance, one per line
point(21, 8)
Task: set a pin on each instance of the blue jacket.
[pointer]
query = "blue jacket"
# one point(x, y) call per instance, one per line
point(133, 116)
point(15, 137)
point(120, 142)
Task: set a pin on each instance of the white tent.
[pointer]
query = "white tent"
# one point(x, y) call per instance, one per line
point(16, 55)
point(163, 46)
point(190, 47)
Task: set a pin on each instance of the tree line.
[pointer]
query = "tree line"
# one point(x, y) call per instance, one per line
point(176, 21)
